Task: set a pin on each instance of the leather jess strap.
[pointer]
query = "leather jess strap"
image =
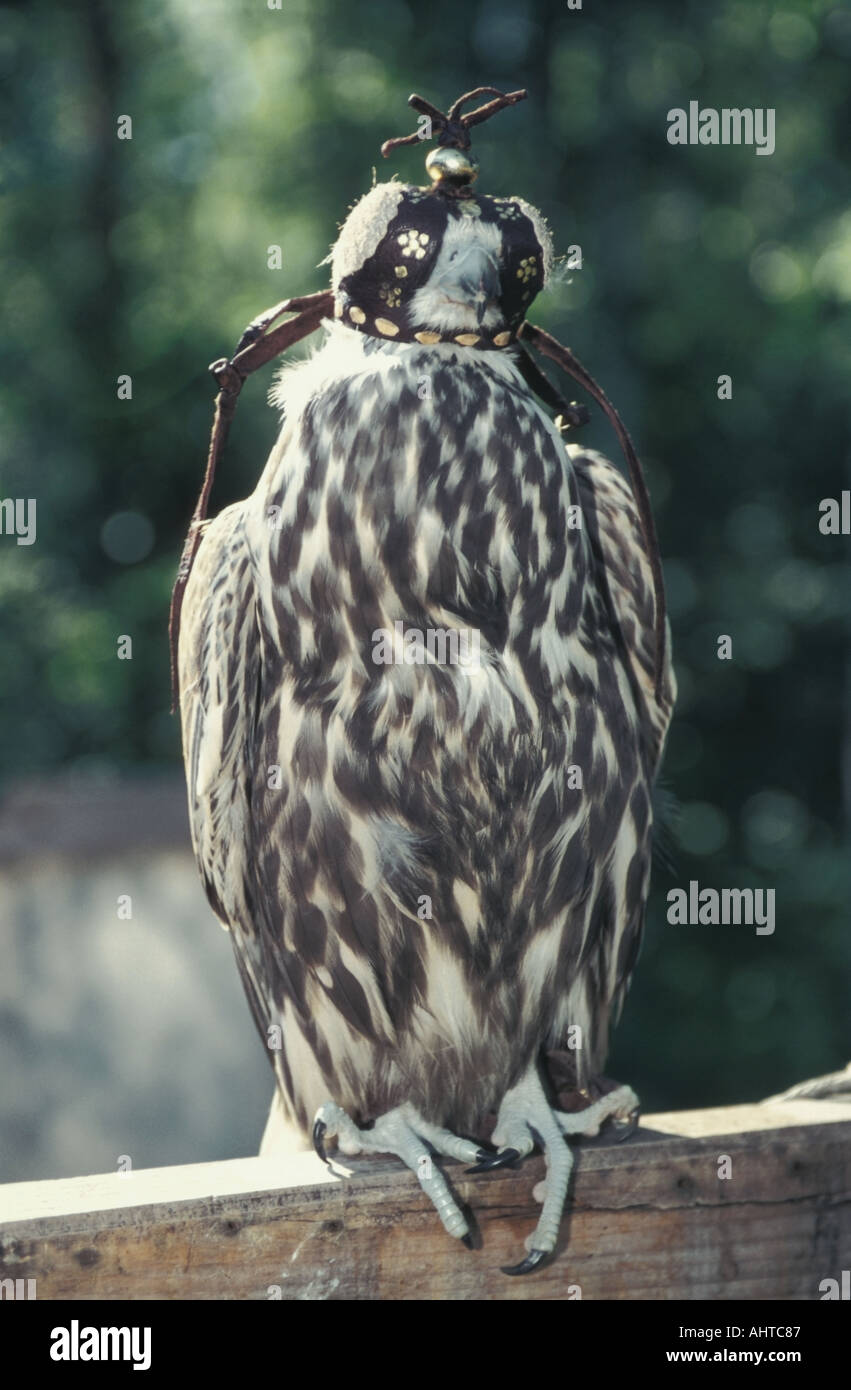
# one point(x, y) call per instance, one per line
point(257, 346)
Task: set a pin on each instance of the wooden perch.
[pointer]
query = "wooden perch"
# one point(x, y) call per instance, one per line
point(648, 1219)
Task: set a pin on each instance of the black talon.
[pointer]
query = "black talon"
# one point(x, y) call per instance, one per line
point(467, 1240)
point(500, 1160)
point(532, 1260)
point(319, 1128)
point(624, 1129)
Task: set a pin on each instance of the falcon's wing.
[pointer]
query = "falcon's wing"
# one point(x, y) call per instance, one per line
point(611, 518)
point(624, 579)
point(237, 719)
point(219, 675)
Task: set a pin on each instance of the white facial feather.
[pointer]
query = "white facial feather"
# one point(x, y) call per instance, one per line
point(345, 354)
point(432, 305)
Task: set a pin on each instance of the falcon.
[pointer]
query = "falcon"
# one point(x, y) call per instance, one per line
point(433, 856)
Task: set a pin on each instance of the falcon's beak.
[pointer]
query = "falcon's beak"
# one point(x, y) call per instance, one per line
point(475, 281)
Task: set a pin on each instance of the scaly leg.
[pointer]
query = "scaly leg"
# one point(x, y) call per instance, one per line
point(406, 1134)
point(524, 1115)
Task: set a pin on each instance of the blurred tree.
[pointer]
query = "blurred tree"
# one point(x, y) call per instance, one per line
point(254, 127)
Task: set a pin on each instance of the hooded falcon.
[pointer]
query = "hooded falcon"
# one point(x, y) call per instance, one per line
point(425, 681)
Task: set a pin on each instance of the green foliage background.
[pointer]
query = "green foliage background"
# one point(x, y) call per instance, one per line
point(254, 126)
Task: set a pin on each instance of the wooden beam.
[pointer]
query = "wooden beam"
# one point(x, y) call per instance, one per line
point(648, 1219)
point(87, 818)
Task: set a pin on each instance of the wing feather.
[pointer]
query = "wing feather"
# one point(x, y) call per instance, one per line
point(218, 667)
point(625, 577)
point(625, 583)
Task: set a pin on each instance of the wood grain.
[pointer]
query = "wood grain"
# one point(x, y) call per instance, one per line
point(647, 1219)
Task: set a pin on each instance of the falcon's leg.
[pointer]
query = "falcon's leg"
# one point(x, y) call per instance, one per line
point(406, 1134)
point(525, 1116)
point(620, 1106)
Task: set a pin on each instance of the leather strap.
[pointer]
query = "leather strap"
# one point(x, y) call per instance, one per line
point(256, 347)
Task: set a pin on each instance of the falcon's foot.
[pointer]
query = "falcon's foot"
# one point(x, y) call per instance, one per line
point(406, 1134)
point(621, 1106)
point(526, 1117)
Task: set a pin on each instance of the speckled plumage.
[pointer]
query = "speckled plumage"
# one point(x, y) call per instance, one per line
point(423, 484)
point(431, 872)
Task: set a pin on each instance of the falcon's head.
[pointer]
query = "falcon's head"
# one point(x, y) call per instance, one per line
point(428, 266)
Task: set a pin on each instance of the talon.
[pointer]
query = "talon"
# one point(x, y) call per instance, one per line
point(319, 1128)
point(532, 1260)
point(467, 1240)
point(500, 1160)
point(573, 417)
point(577, 414)
point(625, 1128)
